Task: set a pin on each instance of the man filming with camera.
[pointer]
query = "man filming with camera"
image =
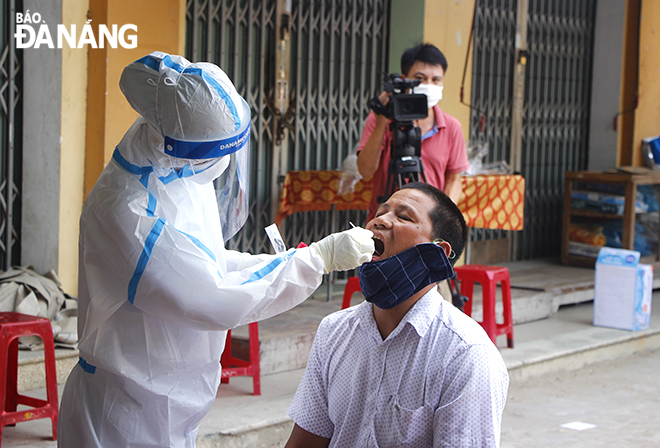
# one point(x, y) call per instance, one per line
point(443, 152)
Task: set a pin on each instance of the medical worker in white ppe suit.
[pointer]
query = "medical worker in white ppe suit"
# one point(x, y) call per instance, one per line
point(158, 289)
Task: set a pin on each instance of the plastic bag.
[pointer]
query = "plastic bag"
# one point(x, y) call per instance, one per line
point(476, 151)
point(24, 291)
point(500, 167)
point(349, 175)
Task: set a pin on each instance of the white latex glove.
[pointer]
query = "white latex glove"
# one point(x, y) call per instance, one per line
point(345, 250)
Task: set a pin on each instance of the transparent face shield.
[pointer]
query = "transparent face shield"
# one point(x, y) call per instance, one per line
point(232, 193)
point(232, 185)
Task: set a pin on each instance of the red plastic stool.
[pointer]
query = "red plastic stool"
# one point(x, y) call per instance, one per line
point(352, 286)
point(488, 276)
point(237, 367)
point(13, 326)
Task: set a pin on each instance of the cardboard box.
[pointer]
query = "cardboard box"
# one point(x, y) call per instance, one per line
point(622, 290)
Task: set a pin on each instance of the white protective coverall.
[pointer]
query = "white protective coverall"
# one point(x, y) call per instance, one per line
point(158, 289)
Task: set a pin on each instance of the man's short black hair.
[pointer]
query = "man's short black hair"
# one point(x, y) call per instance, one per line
point(426, 53)
point(447, 219)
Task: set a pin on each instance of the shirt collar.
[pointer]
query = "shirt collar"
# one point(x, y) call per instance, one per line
point(424, 312)
point(420, 316)
point(365, 318)
point(440, 121)
point(431, 132)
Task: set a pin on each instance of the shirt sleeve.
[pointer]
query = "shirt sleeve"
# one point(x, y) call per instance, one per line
point(458, 160)
point(369, 126)
point(309, 408)
point(186, 287)
point(471, 405)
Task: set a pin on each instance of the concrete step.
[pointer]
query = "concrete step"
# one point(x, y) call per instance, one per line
point(568, 341)
point(284, 346)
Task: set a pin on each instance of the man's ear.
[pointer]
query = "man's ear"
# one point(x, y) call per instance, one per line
point(445, 246)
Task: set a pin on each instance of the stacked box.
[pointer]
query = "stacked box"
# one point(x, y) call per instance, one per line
point(622, 290)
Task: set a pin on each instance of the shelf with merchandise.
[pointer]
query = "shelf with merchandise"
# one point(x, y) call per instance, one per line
point(608, 209)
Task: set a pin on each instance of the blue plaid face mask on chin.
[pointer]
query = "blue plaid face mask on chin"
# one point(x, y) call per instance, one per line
point(389, 282)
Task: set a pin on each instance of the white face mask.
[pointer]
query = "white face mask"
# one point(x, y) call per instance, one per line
point(433, 93)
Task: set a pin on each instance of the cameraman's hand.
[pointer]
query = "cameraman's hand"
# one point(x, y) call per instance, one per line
point(369, 155)
point(378, 105)
point(384, 97)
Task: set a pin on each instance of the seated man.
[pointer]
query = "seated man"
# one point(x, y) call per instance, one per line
point(411, 371)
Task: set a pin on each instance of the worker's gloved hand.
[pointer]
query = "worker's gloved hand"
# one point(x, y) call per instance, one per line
point(345, 250)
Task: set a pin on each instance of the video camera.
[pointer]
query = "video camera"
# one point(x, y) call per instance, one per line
point(406, 145)
point(402, 107)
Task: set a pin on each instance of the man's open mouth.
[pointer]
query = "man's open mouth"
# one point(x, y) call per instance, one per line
point(379, 246)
